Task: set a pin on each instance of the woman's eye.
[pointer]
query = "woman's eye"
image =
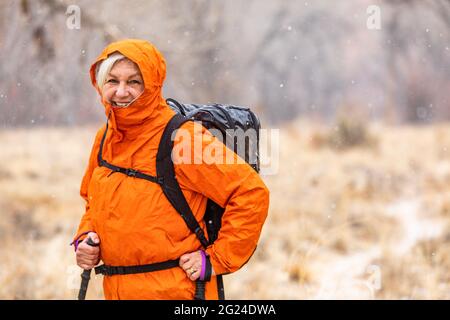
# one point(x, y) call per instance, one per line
point(135, 82)
point(111, 81)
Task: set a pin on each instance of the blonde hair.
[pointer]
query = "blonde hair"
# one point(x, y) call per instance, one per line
point(104, 67)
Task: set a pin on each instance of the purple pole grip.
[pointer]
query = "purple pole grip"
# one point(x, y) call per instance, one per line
point(202, 273)
point(77, 240)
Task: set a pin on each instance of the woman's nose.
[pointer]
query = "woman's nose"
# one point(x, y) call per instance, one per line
point(122, 90)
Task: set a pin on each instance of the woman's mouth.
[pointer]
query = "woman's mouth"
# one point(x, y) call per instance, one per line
point(120, 104)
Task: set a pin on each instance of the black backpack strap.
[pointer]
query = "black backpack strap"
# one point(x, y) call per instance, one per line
point(100, 151)
point(172, 190)
point(166, 172)
point(117, 270)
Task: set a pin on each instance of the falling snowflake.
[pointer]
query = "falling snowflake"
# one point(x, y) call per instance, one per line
point(281, 85)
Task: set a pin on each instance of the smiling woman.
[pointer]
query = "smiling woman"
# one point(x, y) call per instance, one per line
point(147, 249)
point(120, 80)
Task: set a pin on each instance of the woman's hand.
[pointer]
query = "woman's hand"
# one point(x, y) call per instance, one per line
point(191, 263)
point(88, 256)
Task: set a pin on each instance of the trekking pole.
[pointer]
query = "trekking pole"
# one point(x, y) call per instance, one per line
point(85, 276)
point(199, 290)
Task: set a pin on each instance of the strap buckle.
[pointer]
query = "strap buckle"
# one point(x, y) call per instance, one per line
point(100, 269)
point(201, 236)
point(198, 232)
point(131, 172)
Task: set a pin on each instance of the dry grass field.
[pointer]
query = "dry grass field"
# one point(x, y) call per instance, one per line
point(350, 218)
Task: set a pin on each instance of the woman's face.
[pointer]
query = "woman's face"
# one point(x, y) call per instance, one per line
point(123, 84)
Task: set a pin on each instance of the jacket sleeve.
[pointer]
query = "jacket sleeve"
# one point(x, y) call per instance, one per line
point(236, 187)
point(85, 225)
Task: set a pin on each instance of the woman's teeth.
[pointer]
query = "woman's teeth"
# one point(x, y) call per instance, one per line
point(121, 104)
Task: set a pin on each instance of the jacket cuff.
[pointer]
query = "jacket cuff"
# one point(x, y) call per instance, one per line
point(216, 265)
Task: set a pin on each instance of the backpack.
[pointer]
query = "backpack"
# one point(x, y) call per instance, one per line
point(228, 120)
point(212, 116)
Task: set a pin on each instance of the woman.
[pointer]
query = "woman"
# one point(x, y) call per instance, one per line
point(130, 218)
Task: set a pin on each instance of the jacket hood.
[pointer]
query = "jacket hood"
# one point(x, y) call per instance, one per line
point(149, 106)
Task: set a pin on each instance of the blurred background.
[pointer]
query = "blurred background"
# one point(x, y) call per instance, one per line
point(359, 91)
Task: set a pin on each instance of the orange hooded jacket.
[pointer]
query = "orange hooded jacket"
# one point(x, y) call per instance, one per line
point(135, 222)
